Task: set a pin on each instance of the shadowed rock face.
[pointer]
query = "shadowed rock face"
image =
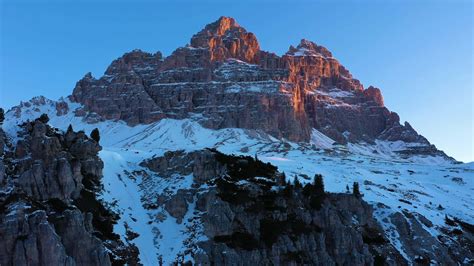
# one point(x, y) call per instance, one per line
point(49, 214)
point(45, 171)
point(247, 222)
point(225, 77)
point(251, 216)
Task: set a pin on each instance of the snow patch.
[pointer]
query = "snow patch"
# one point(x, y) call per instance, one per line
point(320, 140)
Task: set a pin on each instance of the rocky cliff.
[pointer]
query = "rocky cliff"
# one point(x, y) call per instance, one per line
point(229, 82)
point(252, 215)
point(50, 214)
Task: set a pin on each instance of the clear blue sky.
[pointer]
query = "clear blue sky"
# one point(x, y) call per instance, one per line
point(418, 52)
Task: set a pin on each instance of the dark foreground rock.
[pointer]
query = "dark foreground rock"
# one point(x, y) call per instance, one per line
point(251, 215)
point(49, 212)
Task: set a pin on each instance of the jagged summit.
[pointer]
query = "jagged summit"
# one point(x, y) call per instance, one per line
point(134, 58)
point(222, 25)
point(224, 77)
point(224, 39)
point(308, 48)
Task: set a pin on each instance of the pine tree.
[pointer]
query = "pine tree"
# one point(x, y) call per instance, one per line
point(308, 190)
point(288, 190)
point(297, 182)
point(69, 129)
point(347, 189)
point(355, 190)
point(318, 195)
point(2, 116)
point(44, 118)
point(318, 185)
point(95, 135)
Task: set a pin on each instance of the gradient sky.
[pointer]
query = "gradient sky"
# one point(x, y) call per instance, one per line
point(419, 53)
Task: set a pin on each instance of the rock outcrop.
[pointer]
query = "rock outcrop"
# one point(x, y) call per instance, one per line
point(46, 171)
point(49, 211)
point(251, 215)
point(226, 78)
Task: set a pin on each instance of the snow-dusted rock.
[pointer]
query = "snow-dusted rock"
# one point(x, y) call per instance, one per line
point(302, 112)
point(224, 77)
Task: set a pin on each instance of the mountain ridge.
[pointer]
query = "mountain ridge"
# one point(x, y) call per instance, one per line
point(223, 64)
point(203, 151)
point(396, 188)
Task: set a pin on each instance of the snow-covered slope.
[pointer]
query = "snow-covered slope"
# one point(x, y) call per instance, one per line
point(431, 186)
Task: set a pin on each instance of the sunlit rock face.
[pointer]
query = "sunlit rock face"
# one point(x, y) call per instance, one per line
point(223, 79)
point(226, 39)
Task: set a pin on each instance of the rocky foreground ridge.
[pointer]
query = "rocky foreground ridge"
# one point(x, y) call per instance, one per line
point(224, 80)
point(49, 212)
point(253, 215)
point(245, 212)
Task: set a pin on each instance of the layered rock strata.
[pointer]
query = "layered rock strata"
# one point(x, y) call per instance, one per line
point(225, 78)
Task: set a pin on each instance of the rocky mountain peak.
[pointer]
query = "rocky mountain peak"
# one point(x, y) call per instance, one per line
point(374, 93)
point(225, 77)
point(135, 58)
point(88, 75)
point(226, 39)
point(222, 25)
point(308, 48)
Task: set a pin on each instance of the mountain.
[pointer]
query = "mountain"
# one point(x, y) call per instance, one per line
point(223, 76)
point(207, 156)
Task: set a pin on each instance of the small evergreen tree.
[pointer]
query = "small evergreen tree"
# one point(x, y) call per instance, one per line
point(318, 185)
point(347, 189)
point(2, 116)
point(297, 182)
point(95, 135)
point(355, 190)
point(288, 190)
point(308, 190)
point(44, 118)
point(318, 194)
point(69, 129)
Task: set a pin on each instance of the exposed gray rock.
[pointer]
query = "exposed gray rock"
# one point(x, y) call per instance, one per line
point(422, 247)
point(29, 239)
point(252, 222)
point(177, 205)
point(327, 237)
point(78, 239)
point(201, 164)
point(47, 217)
point(53, 167)
point(249, 224)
